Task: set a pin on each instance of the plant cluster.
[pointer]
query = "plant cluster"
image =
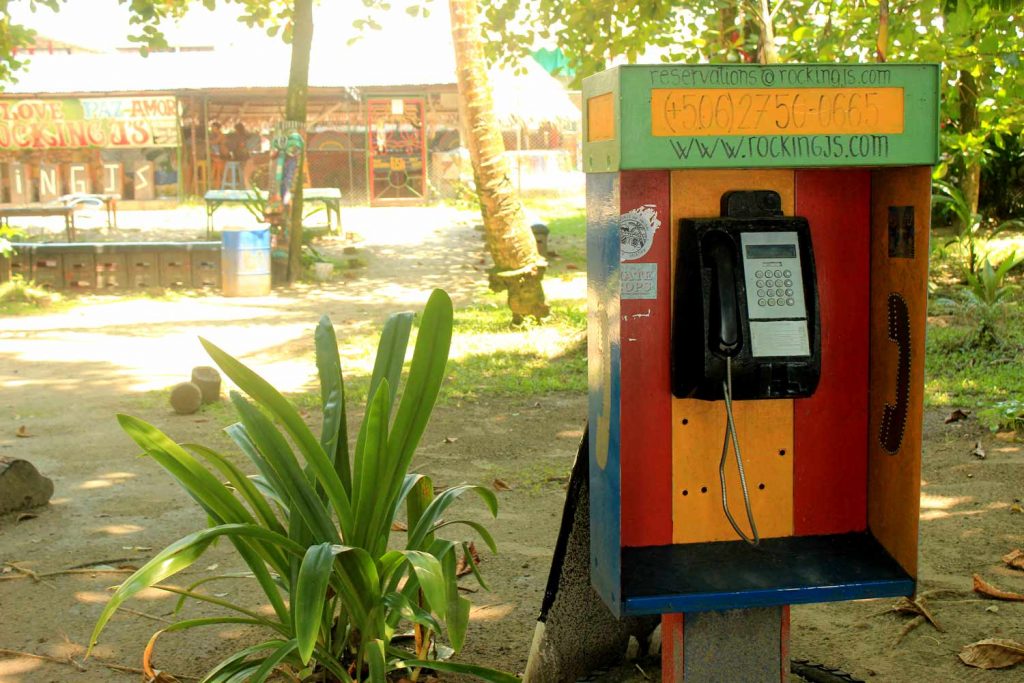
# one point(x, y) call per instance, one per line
point(315, 528)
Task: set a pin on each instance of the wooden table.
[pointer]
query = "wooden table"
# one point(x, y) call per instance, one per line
point(330, 197)
point(8, 211)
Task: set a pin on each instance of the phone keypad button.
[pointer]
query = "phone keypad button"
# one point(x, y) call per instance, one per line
point(762, 302)
point(780, 302)
point(789, 292)
point(759, 274)
point(786, 273)
point(789, 302)
point(771, 302)
point(760, 283)
point(789, 283)
point(778, 273)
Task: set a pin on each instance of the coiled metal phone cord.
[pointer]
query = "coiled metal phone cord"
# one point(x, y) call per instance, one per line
point(730, 431)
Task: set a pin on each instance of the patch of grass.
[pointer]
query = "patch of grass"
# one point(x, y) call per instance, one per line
point(960, 373)
point(515, 373)
point(19, 296)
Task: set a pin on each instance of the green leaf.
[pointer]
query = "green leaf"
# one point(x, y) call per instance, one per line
point(387, 366)
point(476, 526)
point(334, 437)
point(481, 672)
point(376, 661)
point(241, 483)
point(293, 481)
point(197, 481)
point(425, 375)
point(407, 610)
point(271, 661)
point(375, 479)
point(430, 576)
point(457, 612)
point(268, 397)
point(357, 582)
point(394, 339)
point(310, 595)
point(418, 535)
point(175, 557)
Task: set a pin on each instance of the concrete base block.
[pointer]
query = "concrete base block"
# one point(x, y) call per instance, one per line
point(576, 633)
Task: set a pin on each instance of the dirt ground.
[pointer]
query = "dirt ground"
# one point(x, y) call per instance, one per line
point(64, 376)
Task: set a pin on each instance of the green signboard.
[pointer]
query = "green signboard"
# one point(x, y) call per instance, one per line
point(752, 116)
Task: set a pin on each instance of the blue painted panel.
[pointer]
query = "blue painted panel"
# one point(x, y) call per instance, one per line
point(704, 602)
point(603, 384)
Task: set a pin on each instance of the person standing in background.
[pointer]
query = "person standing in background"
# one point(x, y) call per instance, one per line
point(218, 154)
point(238, 148)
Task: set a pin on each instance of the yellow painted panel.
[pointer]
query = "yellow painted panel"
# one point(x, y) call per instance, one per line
point(765, 428)
point(776, 111)
point(894, 480)
point(600, 117)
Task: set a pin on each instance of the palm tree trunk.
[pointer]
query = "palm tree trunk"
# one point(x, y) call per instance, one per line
point(295, 116)
point(518, 267)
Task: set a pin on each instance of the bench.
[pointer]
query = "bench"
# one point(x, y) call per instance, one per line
point(9, 211)
point(330, 197)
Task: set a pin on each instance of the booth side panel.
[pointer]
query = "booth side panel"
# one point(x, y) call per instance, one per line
point(764, 428)
point(645, 324)
point(603, 372)
point(900, 216)
point(830, 427)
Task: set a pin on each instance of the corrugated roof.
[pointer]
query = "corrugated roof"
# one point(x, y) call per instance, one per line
point(175, 71)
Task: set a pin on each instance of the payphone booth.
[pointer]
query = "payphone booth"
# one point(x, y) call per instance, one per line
point(757, 241)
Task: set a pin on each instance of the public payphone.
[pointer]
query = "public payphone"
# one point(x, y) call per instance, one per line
point(757, 277)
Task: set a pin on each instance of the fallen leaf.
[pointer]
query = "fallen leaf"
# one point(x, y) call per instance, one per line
point(501, 485)
point(992, 653)
point(22, 431)
point(26, 516)
point(213, 567)
point(957, 415)
point(985, 588)
point(979, 451)
point(139, 548)
point(1014, 558)
point(1006, 436)
point(992, 608)
point(1017, 507)
point(221, 595)
point(399, 526)
point(451, 439)
point(571, 266)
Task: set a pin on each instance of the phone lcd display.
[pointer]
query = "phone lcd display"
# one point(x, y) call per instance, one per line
point(763, 251)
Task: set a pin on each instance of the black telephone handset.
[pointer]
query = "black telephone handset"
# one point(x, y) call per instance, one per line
point(746, 292)
point(724, 327)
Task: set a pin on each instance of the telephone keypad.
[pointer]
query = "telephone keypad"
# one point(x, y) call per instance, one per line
point(769, 261)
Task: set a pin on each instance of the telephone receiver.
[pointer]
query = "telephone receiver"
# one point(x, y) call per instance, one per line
point(725, 310)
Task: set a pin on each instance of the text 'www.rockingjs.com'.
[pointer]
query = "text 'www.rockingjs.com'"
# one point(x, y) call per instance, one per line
point(783, 147)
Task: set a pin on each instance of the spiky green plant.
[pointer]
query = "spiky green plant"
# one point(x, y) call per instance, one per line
point(314, 530)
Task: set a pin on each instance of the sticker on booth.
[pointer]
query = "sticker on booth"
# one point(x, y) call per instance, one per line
point(636, 232)
point(639, 280)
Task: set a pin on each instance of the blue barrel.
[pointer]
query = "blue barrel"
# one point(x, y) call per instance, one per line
point(245, 262)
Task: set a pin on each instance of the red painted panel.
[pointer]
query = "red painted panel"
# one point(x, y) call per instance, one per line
point(784, 645)
point(831, 427)
point(646, 407)
point(673, 662)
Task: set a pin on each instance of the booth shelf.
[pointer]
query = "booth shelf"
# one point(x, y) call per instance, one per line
point(793, 570)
